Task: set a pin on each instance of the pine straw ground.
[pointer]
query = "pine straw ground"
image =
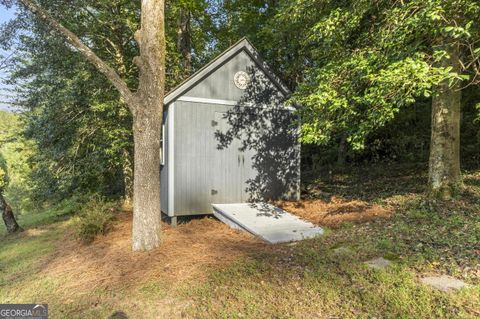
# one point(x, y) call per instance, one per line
point(188, 251)
point(206, 270)
point(336, 211)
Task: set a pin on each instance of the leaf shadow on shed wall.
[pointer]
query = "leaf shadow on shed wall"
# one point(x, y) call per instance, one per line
point(262, 123)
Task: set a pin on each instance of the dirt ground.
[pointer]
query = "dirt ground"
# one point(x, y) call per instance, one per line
point(189, 251)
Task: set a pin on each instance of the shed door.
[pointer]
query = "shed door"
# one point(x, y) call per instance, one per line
point(227, 186)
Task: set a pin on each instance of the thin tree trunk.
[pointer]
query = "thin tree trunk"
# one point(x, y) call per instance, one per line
point(185, 41)
point(8, 217)
point(127, 164)
point(444, 165)
point(342, 151)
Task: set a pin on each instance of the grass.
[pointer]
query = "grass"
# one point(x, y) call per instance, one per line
point(373, 183)
point(319, 284)
point(46, 216)
point(313, 279)
point(20, 255)
point(310, 279)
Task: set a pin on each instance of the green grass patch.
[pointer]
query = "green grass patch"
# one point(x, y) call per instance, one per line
point(22, 255)
point(155, 289)
point(312, 279)
point(346, 292)
point(46, 216)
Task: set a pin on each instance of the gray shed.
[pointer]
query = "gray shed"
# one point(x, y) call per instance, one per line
point(228, 137)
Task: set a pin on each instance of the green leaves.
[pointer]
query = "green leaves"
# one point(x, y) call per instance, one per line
point(457, 32)
point(14, 169)
point(3, 174)
point(371, 60)
point(477, 107)
point(71, 112)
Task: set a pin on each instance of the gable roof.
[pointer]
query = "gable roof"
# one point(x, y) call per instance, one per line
point(242, 45)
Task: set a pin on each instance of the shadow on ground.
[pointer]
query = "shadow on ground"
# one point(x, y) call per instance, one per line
point(366, 183)
point(118, 315)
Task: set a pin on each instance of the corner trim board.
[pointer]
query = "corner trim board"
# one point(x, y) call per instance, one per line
point(171, 161)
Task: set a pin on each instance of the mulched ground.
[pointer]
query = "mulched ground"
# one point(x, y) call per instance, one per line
point(189, 251)
point(336, 211)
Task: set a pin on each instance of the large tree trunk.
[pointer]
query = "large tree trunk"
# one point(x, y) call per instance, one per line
point(8, 217)
point(147, 123)
point(146, 194)
point(444, 166)
point(146, 106)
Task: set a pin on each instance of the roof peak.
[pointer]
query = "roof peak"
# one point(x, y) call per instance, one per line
point(242, 44)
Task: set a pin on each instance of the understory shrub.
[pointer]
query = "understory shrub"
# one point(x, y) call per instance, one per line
point(96, 218)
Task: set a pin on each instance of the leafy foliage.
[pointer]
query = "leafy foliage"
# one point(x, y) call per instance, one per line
point(15, 152)
point(364, 72)
point(96, 218)
point(3, 174)
point(372, 59)
point(71, 113)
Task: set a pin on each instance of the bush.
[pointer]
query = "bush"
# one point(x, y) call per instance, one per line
point(96, 218)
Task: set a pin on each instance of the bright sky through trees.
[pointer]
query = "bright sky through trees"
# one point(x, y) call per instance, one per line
point(5, 16)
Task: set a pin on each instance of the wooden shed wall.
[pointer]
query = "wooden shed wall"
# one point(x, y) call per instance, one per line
point(194, 154)
point(198, 173)
point(219, 85)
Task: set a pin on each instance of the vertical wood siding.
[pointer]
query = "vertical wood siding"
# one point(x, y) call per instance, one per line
point(205, 173)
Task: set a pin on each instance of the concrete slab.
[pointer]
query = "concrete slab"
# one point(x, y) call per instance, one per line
point(378, 263)
point(266, 221)
point(444, 283)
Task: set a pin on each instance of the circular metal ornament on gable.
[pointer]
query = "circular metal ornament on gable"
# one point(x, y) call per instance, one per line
point(241, 79)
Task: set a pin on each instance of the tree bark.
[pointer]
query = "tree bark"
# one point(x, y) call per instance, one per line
point(8, 217)
point(146, 106)
point(342, 151)
point(146, 193)
point(444, 164)
point(147, 123)
point(127, 171)
point(185, 41)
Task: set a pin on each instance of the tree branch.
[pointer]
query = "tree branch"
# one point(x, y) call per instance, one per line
point(87, 53)
point(3, 63)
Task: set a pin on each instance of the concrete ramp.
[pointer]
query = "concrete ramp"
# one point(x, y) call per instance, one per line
point(266, 221)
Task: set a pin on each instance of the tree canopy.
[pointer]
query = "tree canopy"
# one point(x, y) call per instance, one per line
point(364, 73)
point(369, 59)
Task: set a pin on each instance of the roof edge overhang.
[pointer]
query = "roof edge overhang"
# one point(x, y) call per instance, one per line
point(242, 45)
